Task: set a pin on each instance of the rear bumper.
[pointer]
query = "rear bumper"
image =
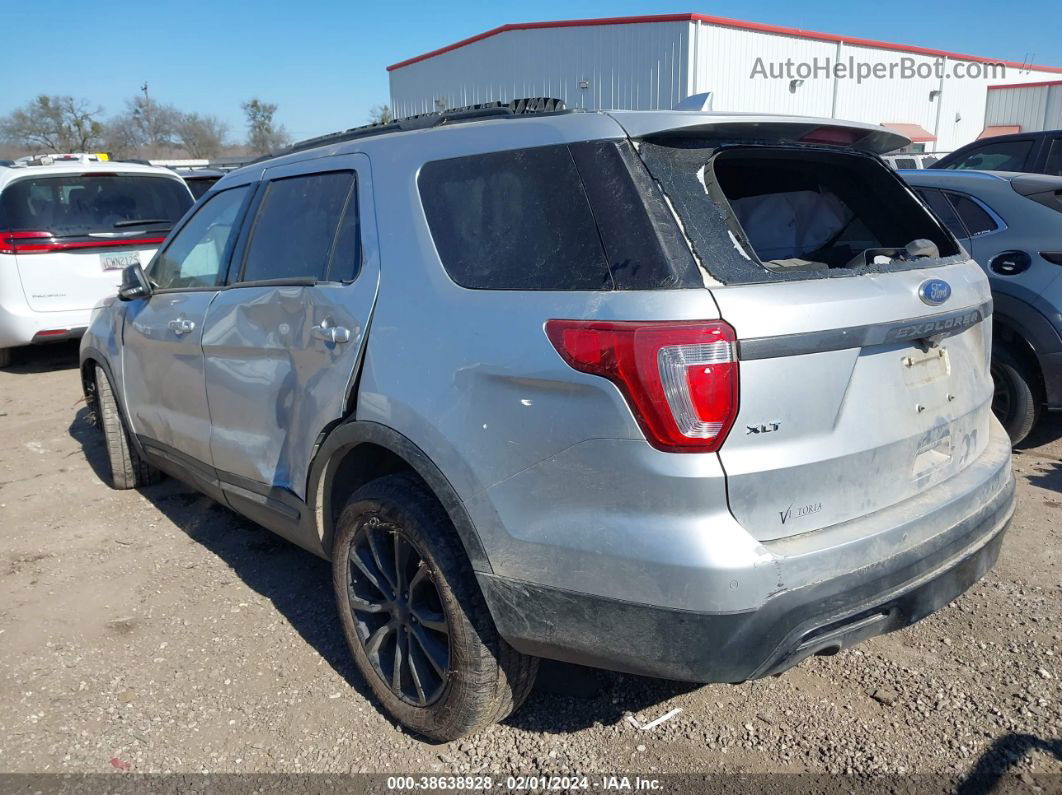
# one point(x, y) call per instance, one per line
point(20, 325)
point(832, 590)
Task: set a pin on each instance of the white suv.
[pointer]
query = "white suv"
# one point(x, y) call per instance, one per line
point(68, 225)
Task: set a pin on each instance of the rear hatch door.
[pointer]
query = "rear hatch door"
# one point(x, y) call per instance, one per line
point(854, 397)
point(73, 233)
point(863, 341)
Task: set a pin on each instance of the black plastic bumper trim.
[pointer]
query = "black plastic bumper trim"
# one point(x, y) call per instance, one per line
point(704, 647)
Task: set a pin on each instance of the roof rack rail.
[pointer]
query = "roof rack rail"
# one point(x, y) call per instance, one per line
point(422, 121)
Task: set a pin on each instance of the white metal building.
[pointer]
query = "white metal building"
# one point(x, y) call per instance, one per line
point(1024, 108)
point(937, 98)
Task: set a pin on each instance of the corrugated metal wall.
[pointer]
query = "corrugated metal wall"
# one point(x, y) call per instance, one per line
point(1034, 108)
point(638, 66)
point(645, 66)
point(727, 57)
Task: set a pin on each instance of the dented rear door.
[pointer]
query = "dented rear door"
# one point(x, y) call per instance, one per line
point(281, 353)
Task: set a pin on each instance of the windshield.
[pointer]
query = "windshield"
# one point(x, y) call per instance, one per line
point(82, 204)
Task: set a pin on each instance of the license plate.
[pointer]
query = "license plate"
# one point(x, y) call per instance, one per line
point(115, 262)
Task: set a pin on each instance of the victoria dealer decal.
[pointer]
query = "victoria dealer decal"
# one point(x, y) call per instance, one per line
point(802, 511)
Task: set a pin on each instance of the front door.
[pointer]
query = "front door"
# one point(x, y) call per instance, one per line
point(283, 340)
point(162, 362)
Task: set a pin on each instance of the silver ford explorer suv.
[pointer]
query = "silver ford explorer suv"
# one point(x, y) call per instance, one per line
point(681, 394)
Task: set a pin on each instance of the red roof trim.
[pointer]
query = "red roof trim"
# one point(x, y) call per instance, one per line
point(992, 130)
point(916, 132)
point(1027, 85)
point(721, 22)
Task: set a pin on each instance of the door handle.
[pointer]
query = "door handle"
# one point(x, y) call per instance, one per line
point(329, 333)
point(181, 326)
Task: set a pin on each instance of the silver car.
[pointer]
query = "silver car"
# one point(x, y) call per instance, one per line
point(681, 394)
point(1011, 224)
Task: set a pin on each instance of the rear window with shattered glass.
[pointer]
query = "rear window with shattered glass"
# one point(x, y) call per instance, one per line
point(756, 213)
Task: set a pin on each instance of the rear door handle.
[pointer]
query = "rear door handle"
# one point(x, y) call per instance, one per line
point(329, 333)
point(181, 326)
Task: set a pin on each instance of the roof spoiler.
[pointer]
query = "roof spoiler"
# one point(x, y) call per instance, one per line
point(755, 127)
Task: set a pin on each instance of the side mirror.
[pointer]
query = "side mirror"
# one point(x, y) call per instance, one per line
point(134, 284)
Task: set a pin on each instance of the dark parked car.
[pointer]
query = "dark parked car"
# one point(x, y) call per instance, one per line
point(1012, 225)
point(1031, 153)
point(200, 180)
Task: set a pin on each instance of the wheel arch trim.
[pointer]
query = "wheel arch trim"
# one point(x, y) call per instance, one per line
point(349, 435)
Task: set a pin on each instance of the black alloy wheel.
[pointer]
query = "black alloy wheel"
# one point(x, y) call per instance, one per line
point(398, 613)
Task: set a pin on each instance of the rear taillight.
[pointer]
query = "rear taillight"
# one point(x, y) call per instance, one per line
point(44, 242)
point(11, 242)
point(680, 379)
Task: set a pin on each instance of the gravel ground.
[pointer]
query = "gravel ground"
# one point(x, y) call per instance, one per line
point(157, 631)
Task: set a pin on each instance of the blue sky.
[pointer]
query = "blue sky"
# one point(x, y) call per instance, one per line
point(323, 61)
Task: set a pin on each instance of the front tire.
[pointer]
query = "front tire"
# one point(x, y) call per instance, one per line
point(414, 617)
point(1015, 399)
point(128, 469)
point(5, 357)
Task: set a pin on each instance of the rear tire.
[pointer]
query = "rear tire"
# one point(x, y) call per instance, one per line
point(128, 469)
point(1016, 399)
point(427, 614)
point(5, 357)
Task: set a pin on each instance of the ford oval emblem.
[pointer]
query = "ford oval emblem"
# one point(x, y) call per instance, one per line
point(934, 292)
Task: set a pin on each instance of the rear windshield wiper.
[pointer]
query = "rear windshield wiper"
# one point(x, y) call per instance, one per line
point(141, 222)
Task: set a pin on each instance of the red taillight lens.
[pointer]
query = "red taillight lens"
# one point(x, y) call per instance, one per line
point(11, 242)
point(44, 242)
point(680, 379)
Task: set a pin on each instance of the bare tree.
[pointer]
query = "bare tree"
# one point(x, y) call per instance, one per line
point(121, 137)
point(147, 128)
point(381, 114)
point(55, 124)
point(263, 134)
point(200, 136)
point(154, 122)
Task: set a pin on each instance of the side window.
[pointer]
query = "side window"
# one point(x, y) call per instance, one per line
point(906, 162)
point(347, 252)
point(197, 254)
point(943, 210)
point(1054, 158)
point(974, 217)
point(516, 220)
point(295, 230)
point(1002, 156)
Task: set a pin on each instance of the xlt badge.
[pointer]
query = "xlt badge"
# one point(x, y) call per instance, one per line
point(763, 427)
